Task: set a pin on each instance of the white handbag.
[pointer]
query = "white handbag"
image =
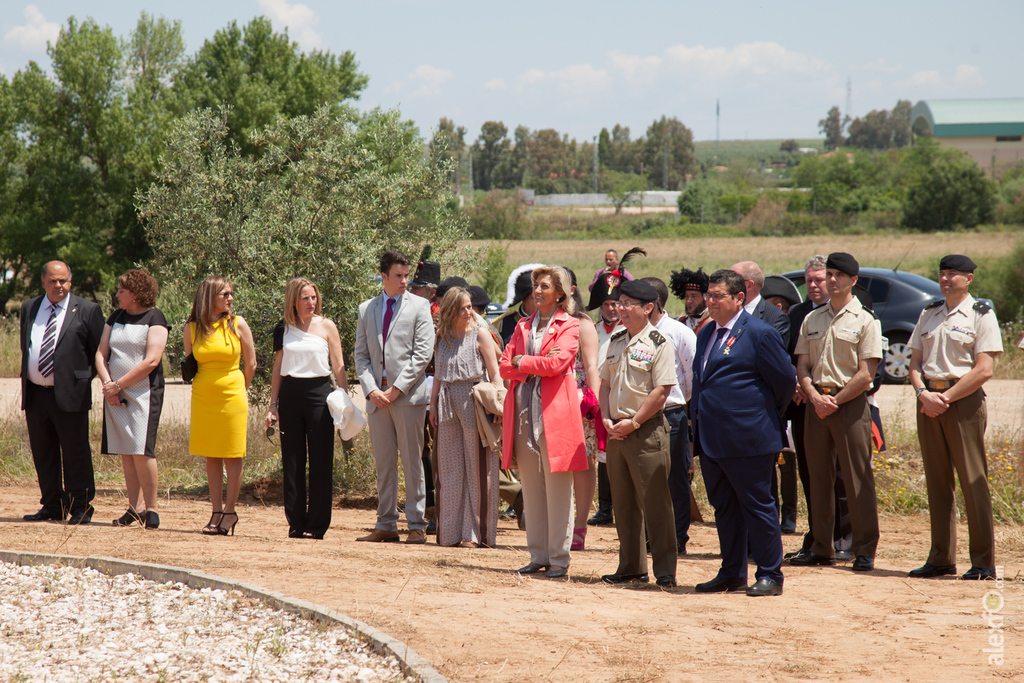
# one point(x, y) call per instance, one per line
point(349, 420)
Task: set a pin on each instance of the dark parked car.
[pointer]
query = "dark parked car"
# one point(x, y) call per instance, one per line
point(899, 298)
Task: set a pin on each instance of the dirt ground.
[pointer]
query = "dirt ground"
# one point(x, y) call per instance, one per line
point(474, 620)
point(467, 614)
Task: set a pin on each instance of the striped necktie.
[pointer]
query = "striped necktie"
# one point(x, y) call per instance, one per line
point(49, 343)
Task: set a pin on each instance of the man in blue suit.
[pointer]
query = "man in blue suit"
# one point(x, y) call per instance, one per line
point(742, 383)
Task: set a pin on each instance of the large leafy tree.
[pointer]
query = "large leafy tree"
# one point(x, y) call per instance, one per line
point(85, 141)
point(322, 198)
point(945, 189)
point(263, 75)
point(832, 128)
point(668, 140)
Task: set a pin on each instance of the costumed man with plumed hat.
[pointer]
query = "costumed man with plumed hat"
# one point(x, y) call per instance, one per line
point(691, 287)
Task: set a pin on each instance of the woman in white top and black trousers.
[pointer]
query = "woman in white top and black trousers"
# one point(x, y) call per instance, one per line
point(307, 346)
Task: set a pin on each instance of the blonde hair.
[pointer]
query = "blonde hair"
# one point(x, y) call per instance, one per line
point(202, 306)
point(292, 292)
point(562, 281)
point(448, 313)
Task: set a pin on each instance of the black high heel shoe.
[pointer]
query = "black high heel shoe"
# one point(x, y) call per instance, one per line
point(128, 518)
point(151, 520)
point(231, 529)
point(212, 527)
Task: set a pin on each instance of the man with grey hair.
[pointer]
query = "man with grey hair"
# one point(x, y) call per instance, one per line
point(755, 305)
point(60, 333)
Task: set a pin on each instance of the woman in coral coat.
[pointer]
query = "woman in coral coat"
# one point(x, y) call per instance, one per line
point(543, 429)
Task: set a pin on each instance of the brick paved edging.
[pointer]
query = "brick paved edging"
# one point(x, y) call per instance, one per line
point(410, 661)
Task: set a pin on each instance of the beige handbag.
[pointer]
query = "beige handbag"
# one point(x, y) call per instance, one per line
point(488, 399)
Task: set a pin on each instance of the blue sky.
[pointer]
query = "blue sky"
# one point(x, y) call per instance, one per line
point(577, 67)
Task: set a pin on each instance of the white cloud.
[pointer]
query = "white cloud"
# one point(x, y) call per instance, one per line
point(967, 74)
point(298, 18)
point(756, 59)
point(634, 68)
point(496, 85)
point(880, 66)
point(424, 81)
point(576, 81)
point(923, 79)
point(34, 33)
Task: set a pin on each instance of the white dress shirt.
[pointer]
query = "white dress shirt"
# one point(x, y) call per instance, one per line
point(36, 338)
point(685, 343)
point(731, 324)
point(752, 304)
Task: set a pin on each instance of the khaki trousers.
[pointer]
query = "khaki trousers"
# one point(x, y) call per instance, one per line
point(845, 435)
point(956, 440)
point(638, 469)
point(547, 504)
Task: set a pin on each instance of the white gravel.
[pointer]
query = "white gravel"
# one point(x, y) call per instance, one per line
point(60, 623)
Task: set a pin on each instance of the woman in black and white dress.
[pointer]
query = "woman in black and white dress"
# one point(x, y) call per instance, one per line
point(128, 364)
point(307, 346)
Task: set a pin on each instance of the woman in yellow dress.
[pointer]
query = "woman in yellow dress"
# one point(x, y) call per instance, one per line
point(220, 407)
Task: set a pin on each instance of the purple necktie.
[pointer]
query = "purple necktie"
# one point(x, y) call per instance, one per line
point(722, 331)
point(387, 324)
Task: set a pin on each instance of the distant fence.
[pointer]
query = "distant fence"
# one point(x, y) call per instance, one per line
point(656, 198)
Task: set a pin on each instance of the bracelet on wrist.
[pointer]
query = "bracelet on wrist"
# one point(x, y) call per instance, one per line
point(117, 385)
point(274, 404)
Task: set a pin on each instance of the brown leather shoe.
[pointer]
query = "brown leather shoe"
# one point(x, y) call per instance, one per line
point(380, 536)
point(416, 537)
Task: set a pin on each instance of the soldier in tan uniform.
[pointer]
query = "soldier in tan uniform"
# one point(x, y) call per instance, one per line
point(838, 351)
point(952, 351)
point(635, 381)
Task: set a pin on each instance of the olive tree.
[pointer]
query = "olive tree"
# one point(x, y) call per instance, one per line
point(322, 197)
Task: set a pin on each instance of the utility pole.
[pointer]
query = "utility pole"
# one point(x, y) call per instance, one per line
point(664, 166)
point(849, 98)
point(718, 116)
point(595, 164)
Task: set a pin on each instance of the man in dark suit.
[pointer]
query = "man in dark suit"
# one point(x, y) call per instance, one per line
point(60, 333)
point(754, 303)
point(742, 383)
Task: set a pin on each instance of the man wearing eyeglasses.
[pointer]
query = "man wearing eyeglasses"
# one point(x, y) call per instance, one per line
point(742, 383)
point(635, 381)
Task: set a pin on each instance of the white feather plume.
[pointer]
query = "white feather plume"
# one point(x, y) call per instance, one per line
point(511, 291)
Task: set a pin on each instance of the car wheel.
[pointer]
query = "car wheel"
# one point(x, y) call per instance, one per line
point(897, 358)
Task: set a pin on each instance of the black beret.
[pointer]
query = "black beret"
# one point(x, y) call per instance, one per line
point(450, 282)
point(843, 262)
point(957, 262)
point(639, 290)
point(478, 297)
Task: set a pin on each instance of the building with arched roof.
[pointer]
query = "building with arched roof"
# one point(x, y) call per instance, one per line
point(991, 131)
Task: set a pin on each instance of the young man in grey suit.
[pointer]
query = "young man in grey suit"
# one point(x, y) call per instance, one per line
point(394, 343)
point(60, 333)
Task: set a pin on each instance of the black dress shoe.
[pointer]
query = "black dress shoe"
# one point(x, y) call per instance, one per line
point(667, 581)
point(625, 578)
point(811, 560)
point(81, 516)
point(720, 585)
point(843, 556)
point(44, 515)
point(929, 571)
point(795, 553)
point(557, 572)
point(863, 563)
point(788, 528)
point(531, 568)
point(601, 518)
point(763, 587)
point(979, 574)
point(431, 529)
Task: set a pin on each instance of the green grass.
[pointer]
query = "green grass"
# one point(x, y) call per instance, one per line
point(731, 151)
point(184, 474)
